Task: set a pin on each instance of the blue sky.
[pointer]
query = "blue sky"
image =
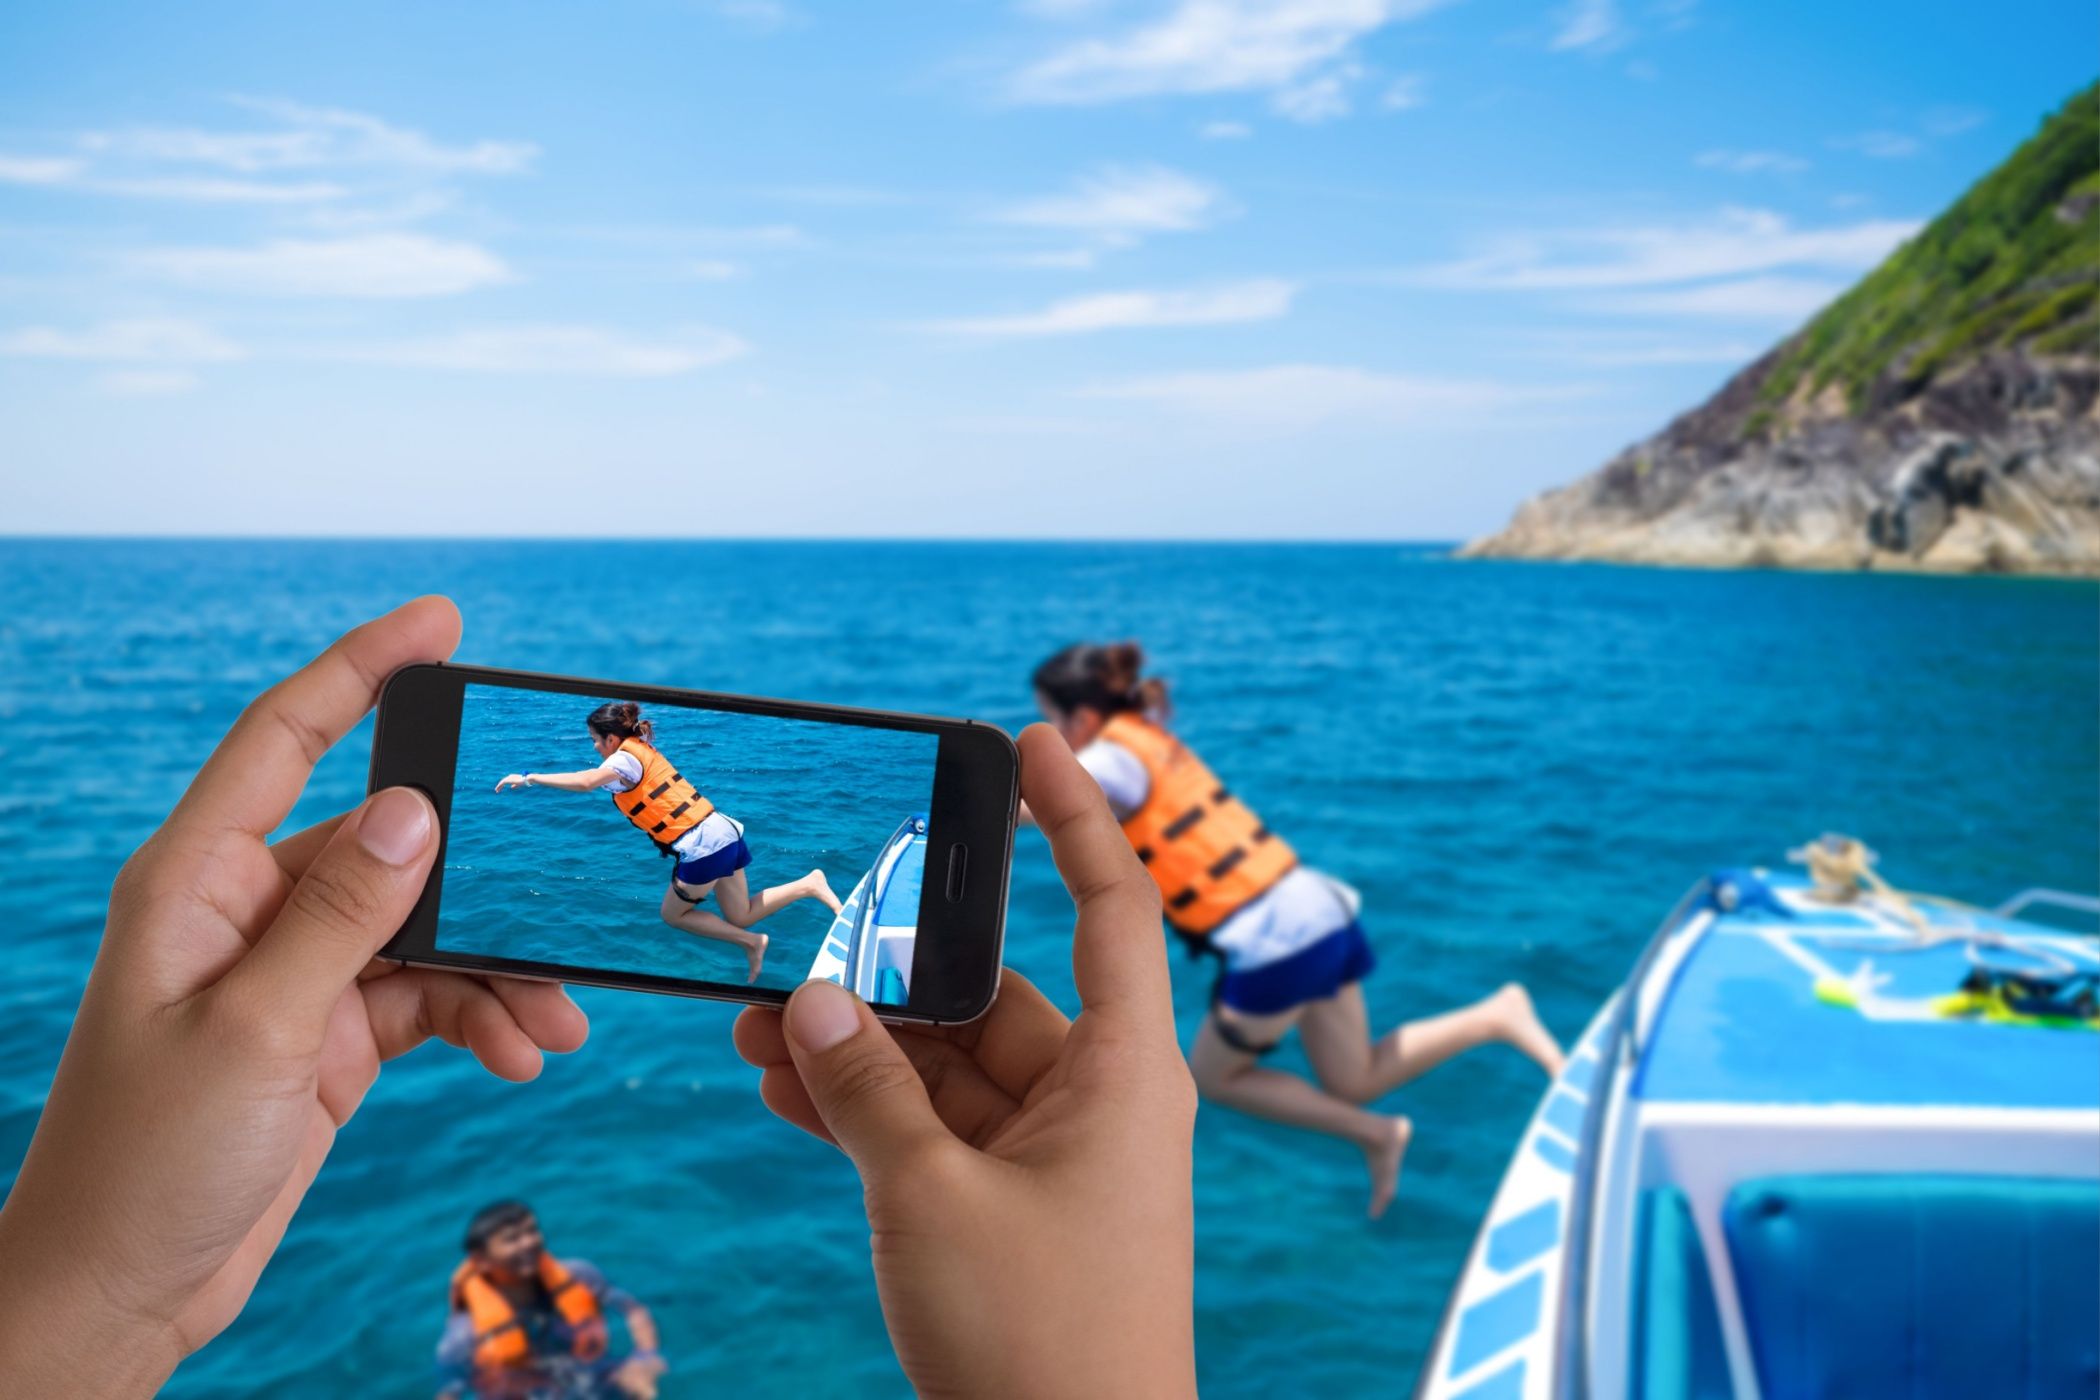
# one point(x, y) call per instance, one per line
point(1103, 268)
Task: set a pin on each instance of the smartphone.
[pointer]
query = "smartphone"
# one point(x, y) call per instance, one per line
point(718, 846)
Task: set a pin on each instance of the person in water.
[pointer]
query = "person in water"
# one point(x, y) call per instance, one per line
point(523, 1322)
point(1292, 953)
point(666, 808)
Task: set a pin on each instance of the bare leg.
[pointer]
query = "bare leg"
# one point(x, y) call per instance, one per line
point(1349, 1064)
point(743, 909)
point(693, 919)
point(1234, 1078)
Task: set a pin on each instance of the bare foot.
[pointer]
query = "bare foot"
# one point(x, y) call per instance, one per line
point(1382, 1159)
point(756, 954)
point(821, 888)
point(1522, 1028)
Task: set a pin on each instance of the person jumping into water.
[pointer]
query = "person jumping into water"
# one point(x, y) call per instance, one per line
point(667, 809)
point(1287, 936)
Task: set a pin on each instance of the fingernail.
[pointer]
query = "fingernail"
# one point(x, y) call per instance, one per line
point(395, 826)
point(821, 1015)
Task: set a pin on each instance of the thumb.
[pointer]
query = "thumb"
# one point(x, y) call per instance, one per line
point(353, 897)
point(865, 1090)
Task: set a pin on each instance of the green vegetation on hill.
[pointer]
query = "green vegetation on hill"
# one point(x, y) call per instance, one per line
point(2003, 266)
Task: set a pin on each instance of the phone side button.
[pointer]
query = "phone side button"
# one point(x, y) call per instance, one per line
point(958, 869)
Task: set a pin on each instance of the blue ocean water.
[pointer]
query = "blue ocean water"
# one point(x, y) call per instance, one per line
point(1520, 766)
point(562, 877)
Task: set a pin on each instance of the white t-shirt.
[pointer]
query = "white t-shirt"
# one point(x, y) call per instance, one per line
point(713, 833)
point(1293, 914)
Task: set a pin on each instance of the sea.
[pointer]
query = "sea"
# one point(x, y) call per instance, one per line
point(1521, 766)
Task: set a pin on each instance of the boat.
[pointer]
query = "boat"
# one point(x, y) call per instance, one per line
point(869, 946)
point(1810, 1147)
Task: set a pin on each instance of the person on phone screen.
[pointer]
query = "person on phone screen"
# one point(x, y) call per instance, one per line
point(1034, 1170)
point(1290, 949)
point(709, 844)
point(524, 1324)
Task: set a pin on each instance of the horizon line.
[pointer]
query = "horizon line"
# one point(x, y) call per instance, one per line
point(55, 537)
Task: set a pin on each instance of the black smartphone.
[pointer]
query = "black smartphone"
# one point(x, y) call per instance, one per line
point(709, 845)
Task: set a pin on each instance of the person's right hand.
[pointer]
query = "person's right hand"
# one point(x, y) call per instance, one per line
point(1026, 1178)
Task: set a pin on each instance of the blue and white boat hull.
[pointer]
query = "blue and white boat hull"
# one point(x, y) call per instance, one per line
point(1777, 1164)
point(871, 941)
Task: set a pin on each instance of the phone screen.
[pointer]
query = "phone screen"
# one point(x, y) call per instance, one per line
point(669, 840)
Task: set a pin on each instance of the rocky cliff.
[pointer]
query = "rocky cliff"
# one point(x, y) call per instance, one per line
point(1944, 414)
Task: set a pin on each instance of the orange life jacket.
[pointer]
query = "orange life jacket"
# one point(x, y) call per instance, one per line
point(1206, 849)
point(663, 805)
point(500, 1339)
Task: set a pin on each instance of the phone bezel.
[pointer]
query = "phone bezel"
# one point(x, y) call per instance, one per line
point(975, 802)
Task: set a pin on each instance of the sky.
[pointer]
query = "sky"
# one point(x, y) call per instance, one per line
point(1301, 269)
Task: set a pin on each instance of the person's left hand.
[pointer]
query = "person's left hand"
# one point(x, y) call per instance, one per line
point(233, 1022)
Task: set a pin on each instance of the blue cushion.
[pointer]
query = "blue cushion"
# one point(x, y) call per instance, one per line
point(1677, 1349)
point(1919, 1286)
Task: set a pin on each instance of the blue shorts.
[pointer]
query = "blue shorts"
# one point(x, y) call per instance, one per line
point(705, 870)
point(1313, 973)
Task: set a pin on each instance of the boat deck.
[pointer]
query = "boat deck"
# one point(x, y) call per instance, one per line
point(1741, 1022)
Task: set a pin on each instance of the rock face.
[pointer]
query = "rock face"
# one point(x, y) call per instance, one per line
point(1943, 415)
point(1992, 468)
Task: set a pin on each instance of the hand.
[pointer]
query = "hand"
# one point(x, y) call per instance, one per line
point(515, 780)
point(636, 1376)
point(1026, 1178)
point(233, 1021)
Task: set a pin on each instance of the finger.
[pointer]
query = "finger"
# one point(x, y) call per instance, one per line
point(1119, 959)
point(544, 1012)
point(351, 900)
point(258, 770)
point(783, 1093)
point(760, 1038)
point(408, 1009)
point(864, 1089)
point(1017, 1041)
point(297, 851)
point(964, 1097)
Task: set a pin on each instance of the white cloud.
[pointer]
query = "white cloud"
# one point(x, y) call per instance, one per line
point(1750, 162)
point(1952, 121)
point(1617, 349)
point(142, 383)
point(714, 270)
point(1783, 300)
point(1288, 396)
point(1733, 243)
point(218, 191)
point(1055, 259)
point(161, 341)
point(310, 138)
point(234, 167)
point(1590, 24)
point(1318, 99)
point(751, 236)
point(1880, 145)
point(1120, 204)
point(553, 349)
point(1260, 300)
point(1202, 46)
point(38, 170)
point(1224, 131)
point(380, 265)
point(1405, 93)
point(763, 16)
point(58, 172)
point(391, 213)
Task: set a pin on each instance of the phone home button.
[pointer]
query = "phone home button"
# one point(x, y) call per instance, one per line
point(958, 867)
